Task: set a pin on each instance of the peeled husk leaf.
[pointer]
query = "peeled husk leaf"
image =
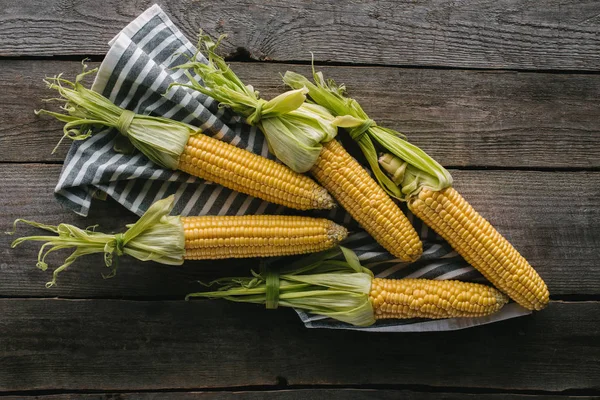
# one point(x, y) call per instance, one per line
point(162, 140)
point(294, 129)
point(422, 171)
point(156, 236)
point(319, 284)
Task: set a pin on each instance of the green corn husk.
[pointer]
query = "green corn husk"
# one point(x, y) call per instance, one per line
point(156, 236)
point(317, 284)
point(417, 169)
point(162, 140)
point(294, 129)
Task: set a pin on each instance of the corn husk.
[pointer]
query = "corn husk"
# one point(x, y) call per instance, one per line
point(294, 129)
point(417, 169)
point(156, 236)
point(162, 140)
point(319, 284)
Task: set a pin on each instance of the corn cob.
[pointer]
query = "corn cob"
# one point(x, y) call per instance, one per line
point(474, 238)
point(425, 298)
point(417, 178)
point(301, 135)
point(176, 145)
point(246, 172)
point(257, 236)
point(156, 236)
point(366, 201)
point(344, 290)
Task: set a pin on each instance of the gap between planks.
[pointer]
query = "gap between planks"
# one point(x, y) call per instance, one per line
point(314, 392)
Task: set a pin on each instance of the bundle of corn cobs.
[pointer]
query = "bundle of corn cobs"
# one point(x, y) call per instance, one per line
point(300, 126)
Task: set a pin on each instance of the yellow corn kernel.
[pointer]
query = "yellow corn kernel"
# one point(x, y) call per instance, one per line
point(366, 201)
point(426, 298)
point(248, 173)
point(481, 245)
point(211, 237)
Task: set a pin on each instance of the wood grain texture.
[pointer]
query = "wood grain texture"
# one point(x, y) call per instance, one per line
point(25, 136)
point(552, 34)
point(558, 234)
point(462, 118)
point(131, 337)
point(302, 394)
point(130, 345)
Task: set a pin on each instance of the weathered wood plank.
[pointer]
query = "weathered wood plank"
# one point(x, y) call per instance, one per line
point(25, 136)
point(302, 394)
point(132, 345)
point(499, 34)
point(552, 218)
point(462, 118)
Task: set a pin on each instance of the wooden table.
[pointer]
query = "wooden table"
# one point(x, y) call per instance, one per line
point(504, 93)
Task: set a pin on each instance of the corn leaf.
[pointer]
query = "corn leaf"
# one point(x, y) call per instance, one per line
point(419, 171)
point(160, 139)
point(155, 236)
point(318, 283)
point(293, 128)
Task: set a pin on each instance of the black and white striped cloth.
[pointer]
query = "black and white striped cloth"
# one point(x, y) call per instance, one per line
point(135, 75)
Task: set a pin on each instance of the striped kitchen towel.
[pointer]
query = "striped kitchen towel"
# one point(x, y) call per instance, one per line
point(136, 74)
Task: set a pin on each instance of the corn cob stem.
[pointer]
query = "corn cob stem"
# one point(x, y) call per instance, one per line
point(474, 238)
point(166, 239)
point(366, 201)
point(246, 172)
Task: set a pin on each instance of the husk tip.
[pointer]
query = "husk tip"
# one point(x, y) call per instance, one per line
point(190, 295)
point(42, 265)
point(111, 274)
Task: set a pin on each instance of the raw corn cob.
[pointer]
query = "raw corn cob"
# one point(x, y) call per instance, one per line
point(156, 236)
point(301, 135)
point(366, 201)
point(257, 236)
point(176, 145)
point(246, 172)
point(346, 291)
point(474, 238)
point(426, 298)
point(417, 178)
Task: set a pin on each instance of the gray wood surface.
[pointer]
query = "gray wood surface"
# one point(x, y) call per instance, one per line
point(558, 234)
point(462, 118)
point(504, 92)
point(548, 34)
point(303, 394)
point(132, 345)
